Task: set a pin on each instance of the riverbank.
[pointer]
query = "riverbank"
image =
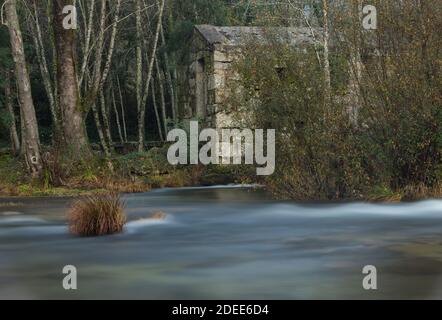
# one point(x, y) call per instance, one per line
point(132, 173)
point(142, 172)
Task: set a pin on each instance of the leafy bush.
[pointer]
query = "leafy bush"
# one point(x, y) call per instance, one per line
point(317, 157)
point(143, 164)
point(322, 150)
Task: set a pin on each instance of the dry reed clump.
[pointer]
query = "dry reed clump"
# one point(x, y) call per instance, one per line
point(97, 215)
point(136, 186)
point(415, 192)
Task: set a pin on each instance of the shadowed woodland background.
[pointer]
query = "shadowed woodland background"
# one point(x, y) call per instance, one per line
point(358, 115)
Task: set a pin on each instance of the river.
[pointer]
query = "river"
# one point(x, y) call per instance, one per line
point(225, 243)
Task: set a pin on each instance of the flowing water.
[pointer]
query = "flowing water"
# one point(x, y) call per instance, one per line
point(225, 243)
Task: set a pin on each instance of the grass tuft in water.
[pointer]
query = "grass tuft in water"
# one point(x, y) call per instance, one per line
point(97, 215)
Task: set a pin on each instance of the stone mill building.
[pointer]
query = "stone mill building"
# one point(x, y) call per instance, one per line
point(210, 75)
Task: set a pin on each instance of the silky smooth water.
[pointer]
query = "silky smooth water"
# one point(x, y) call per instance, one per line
point(225, 243)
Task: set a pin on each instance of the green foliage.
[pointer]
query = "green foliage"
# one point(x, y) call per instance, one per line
point(143, 164)
point(184, 15)
point(383, 193)
point(314, 152)
point(321, 152)
point(10, 169)
point(402, 94)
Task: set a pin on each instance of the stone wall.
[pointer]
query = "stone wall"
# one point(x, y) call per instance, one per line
point(220, 83)
point(208, 82)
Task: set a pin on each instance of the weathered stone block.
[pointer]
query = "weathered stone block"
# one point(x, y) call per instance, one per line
point(219, 97)
point(220, 56)
point(222, 65)
point(216, 81)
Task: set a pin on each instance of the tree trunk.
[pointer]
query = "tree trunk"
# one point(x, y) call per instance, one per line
point(100, 130)
point(32, 140)
point(15, 140)
point(117, 115)
point(142, 113)
point(327, 76)
point(104, 115)
point(356, 66)
point(22, 131)
point(169, 80)
point(139, 57)
point(87, 41)
point(160, 76)
point(100, 74)
point(155, 108)
point(177, 94)
point(111, 47)
point(123, 113)
point(44, 71)
point(73, 123)
point(53, 67)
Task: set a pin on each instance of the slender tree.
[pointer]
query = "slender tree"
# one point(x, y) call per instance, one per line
point(142, 111)
point(356, 65)
point(117, 115)
point(72, 114)
point(169, 80)
point(160, 77)
point(15, 141)
point(123, 111)
point(31, 138)
point(327, 76)
point(155, 108)
point(35, 26)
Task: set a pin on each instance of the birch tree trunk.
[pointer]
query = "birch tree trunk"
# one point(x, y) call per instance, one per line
point(104, 115)
point(86, 50)
point(100, 74)
point(117, 115)
point(100, 131)
point(111, 48)
point(15, 141)
point(160, 77)
point(44, 71)
point(139, 56)
point(123, 113)
point(327, 76)
point(169, 79)
point(72, 115)
point(142, 113)
point(356, 65)
point(53, 67)
point(31, 135)
point(22, 133)
point(155, 108)
point(94, 90)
